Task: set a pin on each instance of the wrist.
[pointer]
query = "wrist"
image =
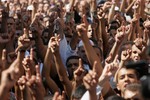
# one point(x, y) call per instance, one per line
point(102, 80)
point(4, 88)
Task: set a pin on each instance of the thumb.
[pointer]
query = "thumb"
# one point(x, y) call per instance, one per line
point(25, 33)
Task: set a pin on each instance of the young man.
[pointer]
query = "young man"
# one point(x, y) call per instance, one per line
point(126, 76)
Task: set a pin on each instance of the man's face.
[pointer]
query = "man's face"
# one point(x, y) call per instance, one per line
point(45, 7)
point(98, 53)
point(72, 65)
point(89, 31)
point(82, 54)
point(126, 77)
point(10, 24)
point(45, 37)
point(136, 95)
point(136, 52)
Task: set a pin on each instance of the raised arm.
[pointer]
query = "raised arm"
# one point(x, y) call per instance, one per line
point(91, 54)
point(47, 69)
point(62, 73)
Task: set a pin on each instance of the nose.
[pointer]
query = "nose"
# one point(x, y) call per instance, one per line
point(126, 79)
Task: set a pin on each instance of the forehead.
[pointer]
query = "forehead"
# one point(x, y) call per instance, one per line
point(73, 60)
point(134, 48)
point(125, 71)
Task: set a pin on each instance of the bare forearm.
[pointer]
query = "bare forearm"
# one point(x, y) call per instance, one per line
point(91, 54)
point(3, 93)
point(62, 74)
point(130, 6)
point(93, 95)
point(122, 7)
point(41, 49)
point(115, 50)
point(71, 4)
point(111, 13)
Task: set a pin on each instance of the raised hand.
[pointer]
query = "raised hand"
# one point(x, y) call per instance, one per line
point(54, 44)
point(82, 28)
point(136, 4)
point(91, 79)
point(29, 63)
point(9, 77)
point(22, 83)
point(36, 27)
point(35, 84)
point(100, 13)
point(121, 33)
point(57, 96)
point(140, 43)
point(107, 5)
point(23, 41)
point(125, 55)
point(110, 69)
point(79, 73)
point(128, 29)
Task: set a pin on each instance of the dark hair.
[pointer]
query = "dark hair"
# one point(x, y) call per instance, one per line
point(78, 92)
point(72, 57)
point(136, 72)
point(145, 90)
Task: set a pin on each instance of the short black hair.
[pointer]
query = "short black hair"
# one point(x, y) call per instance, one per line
point(72, 57)
point(78, 92)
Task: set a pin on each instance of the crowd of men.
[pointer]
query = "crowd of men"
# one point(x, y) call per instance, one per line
point(74, 49)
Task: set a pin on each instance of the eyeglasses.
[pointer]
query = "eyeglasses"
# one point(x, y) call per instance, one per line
point(72, 64)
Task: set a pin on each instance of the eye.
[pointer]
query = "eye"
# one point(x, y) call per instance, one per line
point(75, 64)
point(131, 75)
point(121, 77)
point(134, 52)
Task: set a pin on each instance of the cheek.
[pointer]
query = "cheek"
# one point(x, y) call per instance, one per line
point(133, 81)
